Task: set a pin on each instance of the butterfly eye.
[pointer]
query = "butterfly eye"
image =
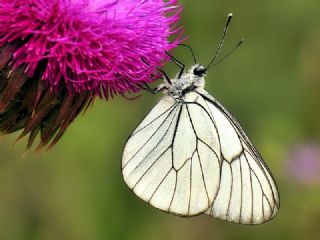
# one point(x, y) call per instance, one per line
point(199, 71)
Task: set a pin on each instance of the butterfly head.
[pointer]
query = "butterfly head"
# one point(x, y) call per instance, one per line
point(187, 82)
point(199, 71)
point(194, 76)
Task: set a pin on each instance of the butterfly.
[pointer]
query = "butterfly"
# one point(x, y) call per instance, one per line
point(189, 156)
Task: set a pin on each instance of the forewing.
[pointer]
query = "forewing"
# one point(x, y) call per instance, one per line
point(247, 192)
point(171, 160)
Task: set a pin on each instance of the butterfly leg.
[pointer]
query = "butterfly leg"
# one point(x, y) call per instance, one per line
point(176, 61)
point(165, 76)
point(191, 51)
point(160, 70)
point(147, 88)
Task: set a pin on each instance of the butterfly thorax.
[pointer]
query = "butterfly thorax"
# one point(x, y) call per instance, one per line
point(188, 82)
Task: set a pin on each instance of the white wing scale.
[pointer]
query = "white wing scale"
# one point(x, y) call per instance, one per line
point(192, 157)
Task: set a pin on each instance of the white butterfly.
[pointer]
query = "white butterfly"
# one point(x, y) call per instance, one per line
point(190, 156)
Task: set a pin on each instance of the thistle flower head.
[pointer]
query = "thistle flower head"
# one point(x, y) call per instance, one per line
point(94, 45)
point(304, 163)
point(57, 56)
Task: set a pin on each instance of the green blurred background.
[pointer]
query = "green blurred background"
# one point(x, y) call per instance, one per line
point(271, 84)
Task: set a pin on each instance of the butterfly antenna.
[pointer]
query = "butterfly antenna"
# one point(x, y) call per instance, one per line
point(221, 41)
point(191, 51)
point(229, 53)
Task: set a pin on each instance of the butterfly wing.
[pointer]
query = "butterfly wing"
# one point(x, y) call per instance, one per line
point(247, 191)
point(172, 158)
point(191, 157)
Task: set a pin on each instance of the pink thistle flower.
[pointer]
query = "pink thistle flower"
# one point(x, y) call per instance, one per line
point(56, 56)
point(303, 163)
